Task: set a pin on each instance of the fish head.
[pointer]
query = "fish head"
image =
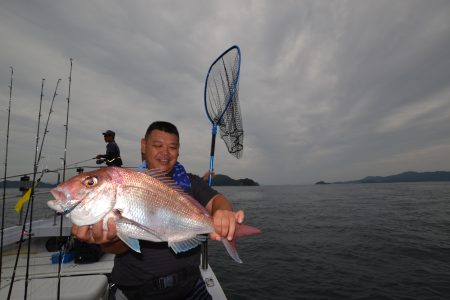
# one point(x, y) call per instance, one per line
point(87, 197)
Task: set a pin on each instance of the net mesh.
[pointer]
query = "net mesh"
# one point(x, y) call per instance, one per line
point(222, 82)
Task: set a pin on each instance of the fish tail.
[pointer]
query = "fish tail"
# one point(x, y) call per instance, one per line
point(244, 230)
point(241, 230)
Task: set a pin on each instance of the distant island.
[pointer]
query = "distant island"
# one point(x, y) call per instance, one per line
point(218, 180)
point(409, 176)
point(224, 180)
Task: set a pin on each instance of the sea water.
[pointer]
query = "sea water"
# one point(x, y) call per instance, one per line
point(349, 241)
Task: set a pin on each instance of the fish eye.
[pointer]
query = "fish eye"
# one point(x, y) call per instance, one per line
point(90, 181)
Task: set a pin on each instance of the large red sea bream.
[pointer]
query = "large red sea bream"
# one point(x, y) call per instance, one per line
point(146, 205)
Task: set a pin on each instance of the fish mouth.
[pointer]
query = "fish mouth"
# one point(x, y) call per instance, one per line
point(63, 203)
point(59, 194)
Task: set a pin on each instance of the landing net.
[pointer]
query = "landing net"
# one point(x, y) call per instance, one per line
point(222, 99)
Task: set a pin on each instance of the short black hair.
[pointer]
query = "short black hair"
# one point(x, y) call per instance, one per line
point(163, 126)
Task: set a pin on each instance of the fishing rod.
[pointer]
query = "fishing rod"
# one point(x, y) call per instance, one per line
point(30, 203)
point(67, 123)
point(68, 167)
point(6, 167)
point(37, 158)
point(64, 178)
point(13, 275)
point(54, 170)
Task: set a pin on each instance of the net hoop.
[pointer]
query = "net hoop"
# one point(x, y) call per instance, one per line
point(215, 120)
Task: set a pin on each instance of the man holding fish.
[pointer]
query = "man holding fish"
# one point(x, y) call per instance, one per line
point(150, 219)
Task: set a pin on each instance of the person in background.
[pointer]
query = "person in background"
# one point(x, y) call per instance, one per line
point(112, 156)
point(157, 272)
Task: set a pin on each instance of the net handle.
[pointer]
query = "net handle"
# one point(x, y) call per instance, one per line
point(211, 158)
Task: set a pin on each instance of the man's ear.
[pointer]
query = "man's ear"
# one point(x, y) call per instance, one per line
point(142, 146)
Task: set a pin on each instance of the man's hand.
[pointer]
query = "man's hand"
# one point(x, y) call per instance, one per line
point(205, 176)
point(107, 239)
point(225, 224)
point(94, 234)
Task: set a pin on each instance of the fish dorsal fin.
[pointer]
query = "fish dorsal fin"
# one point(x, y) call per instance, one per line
point(156, 173)
point(161, 176)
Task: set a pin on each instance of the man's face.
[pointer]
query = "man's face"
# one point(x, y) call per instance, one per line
point(160, 150)
point(108, 138)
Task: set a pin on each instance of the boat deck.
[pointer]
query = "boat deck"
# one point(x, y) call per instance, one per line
point(42, 273)
point(78, 281)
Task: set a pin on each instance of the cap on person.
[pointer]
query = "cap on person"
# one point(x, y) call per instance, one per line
point(109, 132)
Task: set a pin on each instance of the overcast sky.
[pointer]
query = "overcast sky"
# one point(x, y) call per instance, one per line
point(329, 90)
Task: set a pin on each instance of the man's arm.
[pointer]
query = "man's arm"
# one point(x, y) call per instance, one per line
point(115, 247)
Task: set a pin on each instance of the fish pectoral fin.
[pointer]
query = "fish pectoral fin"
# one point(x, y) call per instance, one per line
point(187, 244)
point(132, 229)
point(130, 242)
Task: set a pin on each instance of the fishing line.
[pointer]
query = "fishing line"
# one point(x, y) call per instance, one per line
point(4, 181)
